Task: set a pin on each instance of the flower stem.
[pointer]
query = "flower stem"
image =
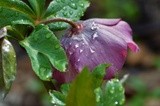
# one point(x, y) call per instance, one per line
point(73, 24)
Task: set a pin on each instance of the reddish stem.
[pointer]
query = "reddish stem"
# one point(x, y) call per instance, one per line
point(73, 24)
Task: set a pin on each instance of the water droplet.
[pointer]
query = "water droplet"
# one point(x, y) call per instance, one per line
point(81, 5)
point(78, 60)
point(111, 91)
point(94, 26)
point(70, 12)
point(80, 50)
point(73, 5)
point(76, 46)
point(64, 8)
point(42, 69)
point(122, 101)
point(6, 47)
point(116, 103)
point(57, 46)
point(91, 50)
point(95, 35)
point(63, 1)
point(70, 53)
point(48, 36)
point(120, 89)
point(116, 80)
point(65, 13)
point(58, 0)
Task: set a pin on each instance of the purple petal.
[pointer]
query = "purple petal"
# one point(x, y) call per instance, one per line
point(100, 41)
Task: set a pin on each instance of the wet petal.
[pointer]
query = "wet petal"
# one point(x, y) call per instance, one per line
point(100, 41)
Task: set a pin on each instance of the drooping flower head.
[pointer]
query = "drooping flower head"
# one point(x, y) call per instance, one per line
point(96, 41)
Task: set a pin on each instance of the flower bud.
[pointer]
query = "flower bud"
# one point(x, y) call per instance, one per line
point(96, 41)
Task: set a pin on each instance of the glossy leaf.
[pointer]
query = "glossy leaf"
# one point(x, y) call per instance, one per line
point(7, 67)
point(72, 10)
point(44, 49)
point(98, 74)
point(81, 92)
point(15, 12)
point(37, 6)
point(113, 94)
point(57, 98)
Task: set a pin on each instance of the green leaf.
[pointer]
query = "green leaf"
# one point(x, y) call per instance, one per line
point(7, 66)
point(15, 12)
point(37, 6)
point(72, 10)
point(44, 49)
point(57, 98)
point(98, 74)
point(65, 88)
point(113, 94)
point(81, 92)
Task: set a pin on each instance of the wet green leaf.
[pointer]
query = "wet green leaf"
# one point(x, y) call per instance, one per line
point(72, 10)
point(112, 94)
point(44, 49)
point(98, 74)
point(82, 89)
point(37, 6)
point(7, 67)
point(15, 12)
point(57, 98)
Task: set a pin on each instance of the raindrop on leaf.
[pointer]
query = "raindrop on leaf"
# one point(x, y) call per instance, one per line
point(57, 46)
point(48, 36)
point(116, 103)
point(81, 5)
point(73, 5)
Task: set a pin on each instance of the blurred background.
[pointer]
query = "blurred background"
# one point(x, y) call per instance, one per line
point(143, 84)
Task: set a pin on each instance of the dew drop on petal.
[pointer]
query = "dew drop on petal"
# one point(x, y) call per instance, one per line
point(76, 46)
point(70, 53)
point(91, 50)
point(94, 26)
point(95, 35)
point(80, 50)
point(70, 43)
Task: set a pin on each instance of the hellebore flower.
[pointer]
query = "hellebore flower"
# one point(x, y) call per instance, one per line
point(97, 41)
